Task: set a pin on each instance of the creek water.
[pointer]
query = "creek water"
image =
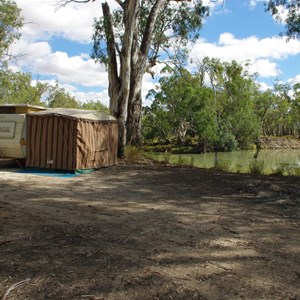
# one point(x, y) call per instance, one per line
point(237, 161)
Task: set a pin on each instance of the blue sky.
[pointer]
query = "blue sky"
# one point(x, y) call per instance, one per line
point(56, 45)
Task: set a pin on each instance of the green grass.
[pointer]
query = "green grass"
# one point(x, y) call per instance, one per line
point(180, 161)
point(282, 169)
point(256, 167)
point(133, 154)
point(223, 166)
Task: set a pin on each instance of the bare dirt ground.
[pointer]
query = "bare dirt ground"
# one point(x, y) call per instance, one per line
point(149, 232)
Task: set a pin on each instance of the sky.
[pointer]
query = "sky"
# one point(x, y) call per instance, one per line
point(56, 45)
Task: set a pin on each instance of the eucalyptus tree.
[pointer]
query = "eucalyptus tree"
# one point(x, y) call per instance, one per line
point(285, 112)
point(94, 105)
point(234, 98)
point(180, 105)
point(57, 96)
point(295, 109)
point(291, 19)
point(10, 22)
point(130, 41)
point(17, 87)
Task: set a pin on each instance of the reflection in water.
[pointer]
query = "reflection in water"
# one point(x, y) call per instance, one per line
point(237, 161)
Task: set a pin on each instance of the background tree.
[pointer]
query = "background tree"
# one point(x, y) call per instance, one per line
point(18, 88)
point(10, 22)
point(95, 105)
point(234, 94)
point(129, 41)
point(59, 97)
point(283, 117)
point(293, 15)
point(179, 107)
point(295, 110)
point(216, 105)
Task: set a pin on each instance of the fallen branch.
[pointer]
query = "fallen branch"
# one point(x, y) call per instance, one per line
point(14, 286)
point(3, 242)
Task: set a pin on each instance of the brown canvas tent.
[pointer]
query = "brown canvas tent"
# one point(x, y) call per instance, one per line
point(71, 139)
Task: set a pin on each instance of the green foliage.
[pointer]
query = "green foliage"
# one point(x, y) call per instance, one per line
point(177, 108)
point(221, 115)
point(59, 97)
point(10, 22)
point(95, 105)
point(226, 140)
point(293, 15)
point(176, 24)
point(295, 171)
point(180, 161)
point(256, 167)
point(18, 88)
point(133, 154)
point(167, 156)
point(286, 169)
point(281, 169)
point(223, 166)
point(192, 161)
point(279, 110)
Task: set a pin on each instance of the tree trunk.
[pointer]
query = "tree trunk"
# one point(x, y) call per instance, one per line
point(134, 120)
point(125, 88)
point(139, 60)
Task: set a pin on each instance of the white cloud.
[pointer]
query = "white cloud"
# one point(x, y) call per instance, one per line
point(72, 69)
point(39, 58)
point(282, 11)
point(262, 53)
point(73, 22)
point(88, 96)
point(264, 68)
point(294, 80)
point(253, 3)
point(264, 86)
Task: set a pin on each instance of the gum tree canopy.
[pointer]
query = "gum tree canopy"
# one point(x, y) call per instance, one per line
point(130, 40)
point(10, 22)
point(291, 18)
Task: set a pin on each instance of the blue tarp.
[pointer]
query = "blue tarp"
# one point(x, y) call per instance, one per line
point(47, 172)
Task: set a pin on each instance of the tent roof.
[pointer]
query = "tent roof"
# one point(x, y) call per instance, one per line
point(22, 105)
point(76, 114)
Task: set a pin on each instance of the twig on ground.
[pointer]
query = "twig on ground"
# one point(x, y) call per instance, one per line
point(14, 286)
point(3, 242)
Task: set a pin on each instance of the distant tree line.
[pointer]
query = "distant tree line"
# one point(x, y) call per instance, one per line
point(219, 108)
point(18, 87)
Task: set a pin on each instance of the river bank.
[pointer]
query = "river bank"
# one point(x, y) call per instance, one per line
point(279, 143)
point(192, 147)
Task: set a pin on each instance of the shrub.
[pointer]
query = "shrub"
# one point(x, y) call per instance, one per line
point(133, 154)
point(281, 169)
point(192, 161)
point(167, 157)
point(256, 166)
point(223, 166)
point(180, 160)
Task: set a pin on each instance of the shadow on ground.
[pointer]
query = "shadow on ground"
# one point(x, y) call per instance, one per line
point(150, 232)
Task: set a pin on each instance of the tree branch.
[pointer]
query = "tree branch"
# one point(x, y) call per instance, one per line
point(150, 26)
point(121, 3)
point(63, 3)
